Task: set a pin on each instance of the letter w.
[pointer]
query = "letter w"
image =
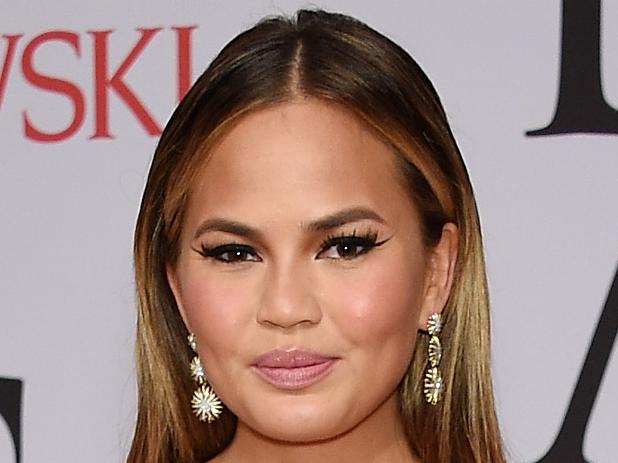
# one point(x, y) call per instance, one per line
point(11, 42)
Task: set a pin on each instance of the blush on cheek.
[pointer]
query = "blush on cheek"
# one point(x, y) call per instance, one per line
point(215, 310)
point(378, 305)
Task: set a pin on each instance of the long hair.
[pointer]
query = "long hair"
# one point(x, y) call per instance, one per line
point(340, 60)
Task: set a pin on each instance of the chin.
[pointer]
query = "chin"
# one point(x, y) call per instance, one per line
point(300, 433)
point(298, 427)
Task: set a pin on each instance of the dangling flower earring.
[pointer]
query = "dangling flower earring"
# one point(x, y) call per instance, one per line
point(433, 378)
point(205, 403)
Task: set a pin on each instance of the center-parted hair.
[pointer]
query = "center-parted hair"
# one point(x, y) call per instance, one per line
point(342, 61)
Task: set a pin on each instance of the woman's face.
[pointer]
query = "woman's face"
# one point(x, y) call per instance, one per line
point(302, 272)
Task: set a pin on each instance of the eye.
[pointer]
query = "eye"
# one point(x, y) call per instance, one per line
point(230, 253)
point(348, 247)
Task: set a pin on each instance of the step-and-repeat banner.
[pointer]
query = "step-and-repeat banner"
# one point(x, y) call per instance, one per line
point(531, 89)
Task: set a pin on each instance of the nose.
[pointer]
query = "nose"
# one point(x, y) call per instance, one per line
point(288, 298)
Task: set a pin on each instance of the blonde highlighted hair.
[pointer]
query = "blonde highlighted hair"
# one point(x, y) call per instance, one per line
point(340, 60)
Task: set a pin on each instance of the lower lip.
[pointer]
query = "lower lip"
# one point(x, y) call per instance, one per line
point(292, 379)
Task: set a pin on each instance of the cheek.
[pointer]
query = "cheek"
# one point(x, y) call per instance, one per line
point(378, 303)
point(216, 308)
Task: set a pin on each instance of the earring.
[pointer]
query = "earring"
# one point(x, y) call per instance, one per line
point(433, 378)
point(204, 403)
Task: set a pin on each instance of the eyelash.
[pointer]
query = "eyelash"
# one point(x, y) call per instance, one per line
point(218, 251)
point(367, 241)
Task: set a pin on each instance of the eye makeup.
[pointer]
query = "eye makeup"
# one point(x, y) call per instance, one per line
point(344, 245)
point(229, 253)
point(347, 245)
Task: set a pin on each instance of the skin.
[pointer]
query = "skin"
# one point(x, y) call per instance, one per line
point(276, 171)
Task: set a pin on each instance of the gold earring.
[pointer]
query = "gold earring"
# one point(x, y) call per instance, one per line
point(204, 403)
point(433, 383)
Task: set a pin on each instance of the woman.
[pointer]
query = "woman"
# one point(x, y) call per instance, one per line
point(309, 226)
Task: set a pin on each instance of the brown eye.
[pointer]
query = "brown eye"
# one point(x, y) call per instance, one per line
point(231, 253)
point(348, 247)
point(350, 250)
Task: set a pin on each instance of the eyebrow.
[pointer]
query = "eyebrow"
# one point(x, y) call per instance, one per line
point(328, 222)
point(227, 226)
point(343, 217)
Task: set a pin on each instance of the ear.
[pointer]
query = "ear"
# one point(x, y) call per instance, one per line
point(172, 280)
point(441, 261)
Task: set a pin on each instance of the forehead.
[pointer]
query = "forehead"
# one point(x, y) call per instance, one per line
point(298, 159)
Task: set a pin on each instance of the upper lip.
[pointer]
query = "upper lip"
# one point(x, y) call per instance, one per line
point(290, 358)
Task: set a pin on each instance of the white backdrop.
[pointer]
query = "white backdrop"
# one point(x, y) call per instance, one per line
point(548, 204)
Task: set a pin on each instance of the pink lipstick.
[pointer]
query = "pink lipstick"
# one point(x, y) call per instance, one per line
point(293, 369)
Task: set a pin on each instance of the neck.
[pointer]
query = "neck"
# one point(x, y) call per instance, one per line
point(377, 439)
